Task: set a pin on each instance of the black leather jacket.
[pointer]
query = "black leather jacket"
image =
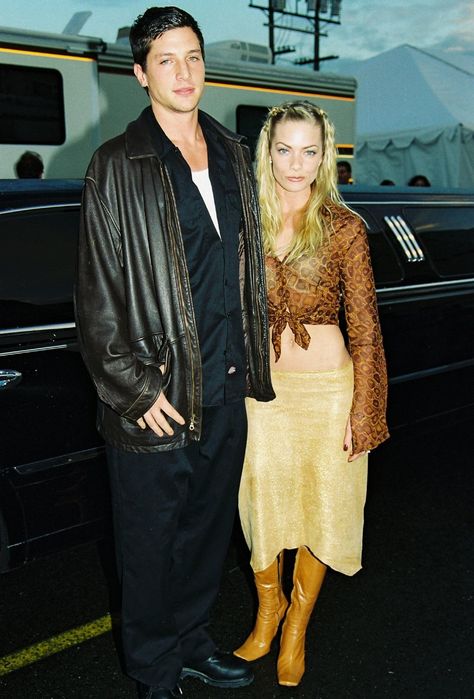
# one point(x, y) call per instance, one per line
point(134, 309)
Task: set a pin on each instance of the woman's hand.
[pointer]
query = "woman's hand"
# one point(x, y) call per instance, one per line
point(348, 443)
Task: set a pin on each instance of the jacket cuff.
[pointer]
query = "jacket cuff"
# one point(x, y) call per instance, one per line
point(148, 396)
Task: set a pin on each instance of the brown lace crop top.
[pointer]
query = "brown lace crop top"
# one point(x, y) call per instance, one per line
point(309, 291)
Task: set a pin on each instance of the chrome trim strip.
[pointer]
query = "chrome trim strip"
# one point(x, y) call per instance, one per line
point(55, 461)
point(40, 207)
point(71, 528)
point(396, 222)
point(408, 254)
point(33, 349)
point(427, 286)
point(38, 328)
point(408, 202)
point(425, 373)
point(414, 241)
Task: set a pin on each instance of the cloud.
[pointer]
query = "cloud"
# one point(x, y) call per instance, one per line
point(369, 27)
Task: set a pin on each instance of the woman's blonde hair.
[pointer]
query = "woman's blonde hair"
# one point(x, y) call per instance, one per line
point(313, 228)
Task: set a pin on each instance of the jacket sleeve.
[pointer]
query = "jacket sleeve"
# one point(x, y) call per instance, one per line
point(125, 383)
point(368, 413)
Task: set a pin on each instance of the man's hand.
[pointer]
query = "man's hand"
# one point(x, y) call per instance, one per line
point(155, 418)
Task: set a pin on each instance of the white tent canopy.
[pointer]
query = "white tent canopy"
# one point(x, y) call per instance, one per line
point(415, 115)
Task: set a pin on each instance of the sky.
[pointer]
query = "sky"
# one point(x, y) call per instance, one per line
point(368, 27)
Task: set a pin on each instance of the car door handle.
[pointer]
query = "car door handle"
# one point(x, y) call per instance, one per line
point(9, 378)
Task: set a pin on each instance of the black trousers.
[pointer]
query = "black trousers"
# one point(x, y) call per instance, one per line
point(173, 518)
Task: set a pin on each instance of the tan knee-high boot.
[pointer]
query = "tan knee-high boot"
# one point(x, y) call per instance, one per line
point(272, 605)
point(308, 577)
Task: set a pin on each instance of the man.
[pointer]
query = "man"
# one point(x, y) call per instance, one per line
point(29, 166)
point(344, 172)
point(171, 313)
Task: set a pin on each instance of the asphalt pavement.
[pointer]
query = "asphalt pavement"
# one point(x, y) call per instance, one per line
point(402, 628)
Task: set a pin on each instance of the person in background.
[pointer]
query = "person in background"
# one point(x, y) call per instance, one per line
point(344, 172)
point(29, 166)
point(172, 321)
point(387, 183)
point(304, 480)
point(419, 181)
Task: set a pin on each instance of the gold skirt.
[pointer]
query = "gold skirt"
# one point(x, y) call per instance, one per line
point(297, 488)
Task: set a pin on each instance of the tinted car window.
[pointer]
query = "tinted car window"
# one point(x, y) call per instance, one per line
point(448, 236)
point(384, 259)
point(37, 265)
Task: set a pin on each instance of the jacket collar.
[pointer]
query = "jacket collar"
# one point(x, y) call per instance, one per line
point(139, 142)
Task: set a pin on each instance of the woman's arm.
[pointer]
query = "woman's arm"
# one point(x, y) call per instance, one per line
point(368, 413)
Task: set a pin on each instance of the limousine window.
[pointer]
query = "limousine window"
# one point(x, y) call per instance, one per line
point(37, 265)
point(32, 105)
point(448, 235)
point(387, 268)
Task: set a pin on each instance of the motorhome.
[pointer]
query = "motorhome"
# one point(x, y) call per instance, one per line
point(63, 95)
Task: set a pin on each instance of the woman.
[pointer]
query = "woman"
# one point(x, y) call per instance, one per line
point(305, 473)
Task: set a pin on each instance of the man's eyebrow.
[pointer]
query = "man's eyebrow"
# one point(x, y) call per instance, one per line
point(173, 53)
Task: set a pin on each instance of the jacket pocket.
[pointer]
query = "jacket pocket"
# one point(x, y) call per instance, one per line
point(154, 350)
point(164, 363)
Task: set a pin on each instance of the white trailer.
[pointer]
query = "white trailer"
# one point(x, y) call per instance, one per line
point(62, 96)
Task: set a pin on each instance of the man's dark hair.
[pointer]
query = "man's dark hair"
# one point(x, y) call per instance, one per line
point(29, 166)
point(419, 181)
point(345, 164)
point(155, 22)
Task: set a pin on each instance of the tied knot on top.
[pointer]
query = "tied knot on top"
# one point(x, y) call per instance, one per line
point(281, 317)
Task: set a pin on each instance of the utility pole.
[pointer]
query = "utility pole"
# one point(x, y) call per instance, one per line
point(272, 7)
point(315, 16)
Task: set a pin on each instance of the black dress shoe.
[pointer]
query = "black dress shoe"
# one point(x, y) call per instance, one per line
point(147, 692)
point(221, 670)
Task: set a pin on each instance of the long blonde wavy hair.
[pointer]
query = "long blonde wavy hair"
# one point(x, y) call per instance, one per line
point(312, 227)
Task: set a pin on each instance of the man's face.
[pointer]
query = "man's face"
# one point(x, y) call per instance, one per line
point(343, 174)
point(174, 71)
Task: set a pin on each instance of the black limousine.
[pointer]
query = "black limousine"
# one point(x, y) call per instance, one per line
point(53, 481)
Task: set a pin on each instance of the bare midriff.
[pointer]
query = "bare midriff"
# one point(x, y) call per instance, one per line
point(326, 350)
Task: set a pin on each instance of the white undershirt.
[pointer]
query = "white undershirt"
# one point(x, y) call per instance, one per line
point(203, 183)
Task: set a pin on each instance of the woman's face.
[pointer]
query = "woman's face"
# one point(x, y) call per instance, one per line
point(296, 151)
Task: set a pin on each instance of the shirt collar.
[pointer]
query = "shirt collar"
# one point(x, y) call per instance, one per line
point(145, 138)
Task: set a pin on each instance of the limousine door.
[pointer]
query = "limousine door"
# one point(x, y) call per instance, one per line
point(53, 485)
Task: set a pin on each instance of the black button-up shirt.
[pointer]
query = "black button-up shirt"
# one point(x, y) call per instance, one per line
point(213, 263)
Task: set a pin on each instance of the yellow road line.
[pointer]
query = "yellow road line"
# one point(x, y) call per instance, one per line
point(53, 645)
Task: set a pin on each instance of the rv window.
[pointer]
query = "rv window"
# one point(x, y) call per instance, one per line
point(31, 106)
point(249, 121)
point(448, 236)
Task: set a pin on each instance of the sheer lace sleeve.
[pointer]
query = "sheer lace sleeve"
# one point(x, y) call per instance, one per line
point(368, 414)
